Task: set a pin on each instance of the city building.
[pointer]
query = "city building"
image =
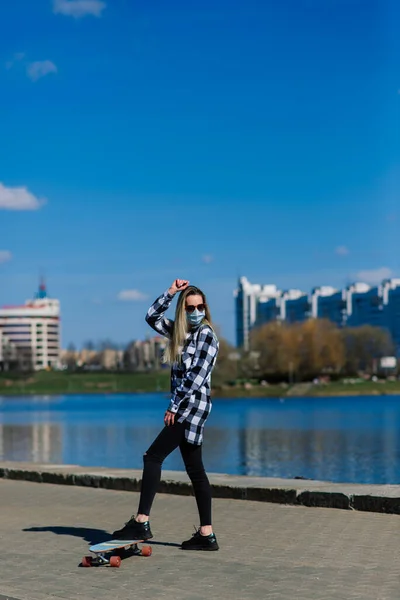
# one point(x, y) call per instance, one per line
point(268, 310)
point(8, 354)
point(295, 306)
point(364, 305)
point(145, 355)
point(328, 303)
point(110, 359)
point(33, 329)
point(139, 355)
point(290, 306)
point(257, 304)
point(391, 303)
point(358, 304)
point(247, 297)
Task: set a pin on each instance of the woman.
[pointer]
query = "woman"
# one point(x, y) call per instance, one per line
point(192, 351)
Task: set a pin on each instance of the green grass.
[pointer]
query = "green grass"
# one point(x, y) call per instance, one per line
point(331, 389)
point(55, 382)
point(362, 388)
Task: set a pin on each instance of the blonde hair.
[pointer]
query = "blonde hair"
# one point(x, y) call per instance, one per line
point(173, 351)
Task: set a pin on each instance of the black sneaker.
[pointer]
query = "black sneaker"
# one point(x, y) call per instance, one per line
point(133, 530)
point(201, 542)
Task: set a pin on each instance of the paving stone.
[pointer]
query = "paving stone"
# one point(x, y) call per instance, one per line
point(268, 550)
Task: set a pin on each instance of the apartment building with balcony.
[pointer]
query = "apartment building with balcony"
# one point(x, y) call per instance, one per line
point(329, 303)
point(391, 303)
point(8, 354)
point(295, 306)
point(247, 298)
point(364, 305)
point(33, 329)
point(358, 304)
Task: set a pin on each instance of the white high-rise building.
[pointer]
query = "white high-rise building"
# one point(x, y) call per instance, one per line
point(358, 304)
point(329, 303)
point(8, 353)
point(34, 330)
point(391, 301)
point(247, 297)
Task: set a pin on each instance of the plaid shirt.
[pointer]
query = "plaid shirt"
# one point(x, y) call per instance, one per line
point(190, 378)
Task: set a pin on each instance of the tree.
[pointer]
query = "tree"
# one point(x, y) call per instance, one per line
point(106, 344)
point(321, 348)
point(364, 346)
point(268, 342)
point(302, 350)
point(70, 358)
point(226, 365)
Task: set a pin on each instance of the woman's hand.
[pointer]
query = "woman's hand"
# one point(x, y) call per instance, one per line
point(178, 286)
point(169, 418)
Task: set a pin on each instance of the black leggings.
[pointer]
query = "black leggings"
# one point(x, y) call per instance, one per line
point(168, 440)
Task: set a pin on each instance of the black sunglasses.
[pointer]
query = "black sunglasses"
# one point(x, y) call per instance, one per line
point(191, 308)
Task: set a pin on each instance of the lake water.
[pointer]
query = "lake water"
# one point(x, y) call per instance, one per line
point(346, 439)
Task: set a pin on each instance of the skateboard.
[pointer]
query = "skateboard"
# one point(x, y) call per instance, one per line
point(111, 553)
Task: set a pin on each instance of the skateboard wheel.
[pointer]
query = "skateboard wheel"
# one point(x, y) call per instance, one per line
point(147, 551)
point(115, 561)
point(87, 561)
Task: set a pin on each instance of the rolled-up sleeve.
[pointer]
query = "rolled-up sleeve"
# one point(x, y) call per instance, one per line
point(155, 315)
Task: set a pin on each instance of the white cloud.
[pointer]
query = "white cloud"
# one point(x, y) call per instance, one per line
point(5, 256)
point(207, 259)
point(131, 296)
point(342, 251)
point(78, 8)
point(18, 198)
point(374, 276)
point(40, 68)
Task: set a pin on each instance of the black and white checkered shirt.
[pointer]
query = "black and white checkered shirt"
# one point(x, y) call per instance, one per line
point(191, 378)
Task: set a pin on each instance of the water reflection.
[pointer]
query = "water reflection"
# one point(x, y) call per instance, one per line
point(336, 439)
point(39, 443)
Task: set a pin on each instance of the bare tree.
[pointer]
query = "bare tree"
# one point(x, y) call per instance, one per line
point(364, 346)
point(299, 349)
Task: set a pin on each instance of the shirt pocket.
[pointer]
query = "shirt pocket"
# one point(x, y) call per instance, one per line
point(188, 355)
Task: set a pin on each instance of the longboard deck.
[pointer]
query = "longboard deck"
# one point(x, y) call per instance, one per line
point(110, 553)
point(111, 545)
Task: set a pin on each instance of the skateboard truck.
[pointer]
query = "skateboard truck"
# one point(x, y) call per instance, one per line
point(110, 554)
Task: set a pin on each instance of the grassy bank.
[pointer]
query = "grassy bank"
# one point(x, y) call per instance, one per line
point(59, 382)
point(309, 389)
point(86, 383)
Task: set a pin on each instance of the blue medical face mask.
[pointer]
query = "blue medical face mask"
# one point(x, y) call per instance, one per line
point(196, 317)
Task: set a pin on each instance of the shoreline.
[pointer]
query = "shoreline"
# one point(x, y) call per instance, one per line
point(296, 492)
point(216, 396)
point(311, 394)
point(66, 383)
point(230, 394)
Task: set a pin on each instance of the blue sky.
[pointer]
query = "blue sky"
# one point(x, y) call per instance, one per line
point(143, 141)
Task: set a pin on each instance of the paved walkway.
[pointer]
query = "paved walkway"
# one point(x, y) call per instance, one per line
point(278, 553)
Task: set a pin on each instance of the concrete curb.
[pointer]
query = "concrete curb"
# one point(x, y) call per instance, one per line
point(370, 498)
